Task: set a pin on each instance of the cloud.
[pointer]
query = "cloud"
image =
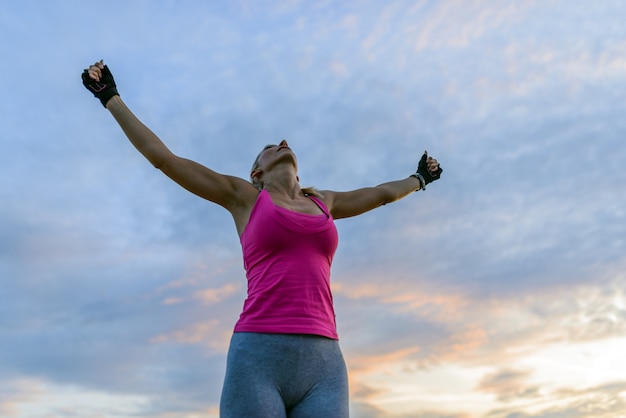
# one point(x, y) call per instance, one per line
point(38, 398)
point(193, 334)
point(12, 394)
point(206, 333)
point(499, 288)
point(476, 344)
point(507, 384)
point(209, 296)
point(603, 401)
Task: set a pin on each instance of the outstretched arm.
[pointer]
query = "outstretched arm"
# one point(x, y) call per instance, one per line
point(198, 179)
point(227, 191)
point(356, 202)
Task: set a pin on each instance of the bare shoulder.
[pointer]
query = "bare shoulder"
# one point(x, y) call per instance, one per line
point(228, 191)
point(245, 194)
point(328, 197)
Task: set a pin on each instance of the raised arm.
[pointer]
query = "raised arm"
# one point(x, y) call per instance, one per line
point(233, 193)
point(356, 202)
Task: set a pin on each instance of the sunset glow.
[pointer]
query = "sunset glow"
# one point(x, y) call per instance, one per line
point(498, 292)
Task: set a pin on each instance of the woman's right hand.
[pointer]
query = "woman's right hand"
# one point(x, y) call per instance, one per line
point(99, 81)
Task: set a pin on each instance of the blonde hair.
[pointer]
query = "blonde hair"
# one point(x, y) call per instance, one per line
point(312, 191)
point(255, 165)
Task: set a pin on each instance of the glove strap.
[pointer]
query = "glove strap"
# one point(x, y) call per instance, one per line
point(421, 180)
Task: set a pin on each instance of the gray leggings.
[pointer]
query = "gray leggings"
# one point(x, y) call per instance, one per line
point(284, 375)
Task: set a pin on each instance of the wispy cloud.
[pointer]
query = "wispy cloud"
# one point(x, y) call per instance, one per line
point(497, 292)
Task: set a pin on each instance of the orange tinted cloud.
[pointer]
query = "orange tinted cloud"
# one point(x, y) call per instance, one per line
point(214, 295)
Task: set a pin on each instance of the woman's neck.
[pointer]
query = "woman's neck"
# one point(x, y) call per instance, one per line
point(289, 190)
point(283, 182)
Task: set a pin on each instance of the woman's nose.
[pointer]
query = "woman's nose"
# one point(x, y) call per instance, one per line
point(283, 142)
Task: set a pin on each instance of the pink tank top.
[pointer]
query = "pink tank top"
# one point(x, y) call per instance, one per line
point(287, 256)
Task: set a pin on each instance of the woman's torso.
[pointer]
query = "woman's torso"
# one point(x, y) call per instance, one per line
point(287, 257)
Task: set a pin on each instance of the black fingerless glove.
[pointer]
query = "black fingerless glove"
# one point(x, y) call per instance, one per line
point(103, 89)
point(424, 175)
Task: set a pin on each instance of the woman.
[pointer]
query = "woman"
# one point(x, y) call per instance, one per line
point(284, 358)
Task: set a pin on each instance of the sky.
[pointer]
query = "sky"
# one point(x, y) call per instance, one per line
point(498, 292)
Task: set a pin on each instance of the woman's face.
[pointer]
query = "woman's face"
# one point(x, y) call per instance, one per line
point(270, 157)
point(273, 154)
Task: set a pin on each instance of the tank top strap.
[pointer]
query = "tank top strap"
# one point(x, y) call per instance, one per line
point(320, 204)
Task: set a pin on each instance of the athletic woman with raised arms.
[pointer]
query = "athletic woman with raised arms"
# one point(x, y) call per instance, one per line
point(284, 358)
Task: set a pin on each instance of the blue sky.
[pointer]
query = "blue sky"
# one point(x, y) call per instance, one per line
point(498, 292)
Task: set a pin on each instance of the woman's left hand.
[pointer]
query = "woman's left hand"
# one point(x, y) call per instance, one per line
point(429, 168)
